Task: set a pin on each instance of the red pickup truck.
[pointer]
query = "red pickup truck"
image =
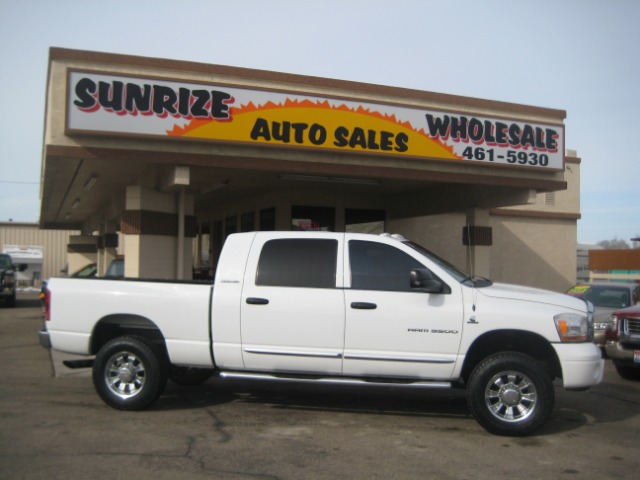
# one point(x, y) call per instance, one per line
point(623, 341)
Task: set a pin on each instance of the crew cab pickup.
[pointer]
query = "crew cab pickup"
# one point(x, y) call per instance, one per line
point(331, 307)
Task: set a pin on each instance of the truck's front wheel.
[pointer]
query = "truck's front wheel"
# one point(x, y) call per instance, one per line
point(128, 374)
point(510, 394)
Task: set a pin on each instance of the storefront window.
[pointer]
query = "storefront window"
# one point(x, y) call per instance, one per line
point(319, 219)
point(268, 220)
point(247, 222)
point(230, 226)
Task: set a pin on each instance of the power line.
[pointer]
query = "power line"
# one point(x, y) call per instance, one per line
point(19, 182)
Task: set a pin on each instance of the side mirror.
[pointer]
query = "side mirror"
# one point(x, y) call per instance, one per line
point(423, 280)
point(22, 267)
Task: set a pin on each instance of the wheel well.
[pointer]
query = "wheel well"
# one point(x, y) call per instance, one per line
point(114, 326)
point(528, 343)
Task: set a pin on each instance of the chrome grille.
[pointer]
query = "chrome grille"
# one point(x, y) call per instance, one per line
point(631, 326)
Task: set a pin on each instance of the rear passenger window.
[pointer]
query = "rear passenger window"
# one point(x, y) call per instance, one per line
point(305, 263)
point(376, 266)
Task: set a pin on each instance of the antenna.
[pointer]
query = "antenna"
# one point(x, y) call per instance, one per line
point(470, 253)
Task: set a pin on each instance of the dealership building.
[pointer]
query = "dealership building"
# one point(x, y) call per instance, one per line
point(160, 160)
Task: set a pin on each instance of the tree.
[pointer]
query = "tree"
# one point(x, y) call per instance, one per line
point(615, 244)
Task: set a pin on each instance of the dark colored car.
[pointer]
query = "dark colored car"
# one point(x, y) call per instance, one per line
point(8, 282)
point(607, 297)
point(623, 342)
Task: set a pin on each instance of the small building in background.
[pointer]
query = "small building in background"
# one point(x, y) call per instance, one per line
point(615, 265)
point(583, 270)
point(44, 251)
point(29, 255)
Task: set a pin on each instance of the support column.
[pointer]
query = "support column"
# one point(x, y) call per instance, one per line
point(107, 246)
point(81, 251)
point(477, 236)
point(151, 226)
point(340, 216)
point(180, 260)
point(283, 214)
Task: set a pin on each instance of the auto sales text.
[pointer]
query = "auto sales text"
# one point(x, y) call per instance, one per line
point(317, 134)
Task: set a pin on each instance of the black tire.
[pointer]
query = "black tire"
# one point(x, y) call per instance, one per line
point(128, 374)
point(627, 372)
point(11, 300)
point(190, 377)
point(510, 394)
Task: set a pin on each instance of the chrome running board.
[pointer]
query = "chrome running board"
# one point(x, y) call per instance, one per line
point(374, 382)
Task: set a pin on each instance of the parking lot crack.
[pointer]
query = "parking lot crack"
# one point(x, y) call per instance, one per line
point(616, 397)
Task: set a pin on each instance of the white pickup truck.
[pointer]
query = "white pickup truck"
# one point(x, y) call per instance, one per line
point(331, 307)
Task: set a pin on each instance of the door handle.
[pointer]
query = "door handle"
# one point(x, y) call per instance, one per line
point(257, 301)
point(364, 305)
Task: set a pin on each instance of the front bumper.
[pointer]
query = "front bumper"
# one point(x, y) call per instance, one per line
point(582, 364)
point(599, 337)
point(621, 355)
point(43, 336)
point(6, 292)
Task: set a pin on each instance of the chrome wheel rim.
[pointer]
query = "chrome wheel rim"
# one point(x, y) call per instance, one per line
point(125, 374)
point(511, 396)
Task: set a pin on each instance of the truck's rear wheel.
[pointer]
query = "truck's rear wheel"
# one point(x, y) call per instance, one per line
point(128, 374)
point(510, 394)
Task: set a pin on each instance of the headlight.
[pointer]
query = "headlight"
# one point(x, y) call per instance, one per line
point(572, 327)
point(611, 333)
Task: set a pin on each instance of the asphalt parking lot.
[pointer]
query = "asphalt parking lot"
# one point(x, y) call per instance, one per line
point(54, 426)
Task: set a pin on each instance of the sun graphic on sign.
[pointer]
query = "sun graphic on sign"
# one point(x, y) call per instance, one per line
point(336, 128)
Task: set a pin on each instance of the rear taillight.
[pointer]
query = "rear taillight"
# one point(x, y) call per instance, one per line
point(611, 332)
point(47, 304)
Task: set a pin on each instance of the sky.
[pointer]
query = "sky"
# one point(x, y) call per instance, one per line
point(581, 56)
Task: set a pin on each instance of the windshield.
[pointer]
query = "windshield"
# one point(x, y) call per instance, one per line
point(446, 266)
point(86, 271)
point(606, 296)
point(5, 262)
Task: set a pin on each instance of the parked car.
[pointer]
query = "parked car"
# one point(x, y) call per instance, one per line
point(8, 279)
point(115, 270)
point(607, 297)
point(623, 341)
point(90, 271)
